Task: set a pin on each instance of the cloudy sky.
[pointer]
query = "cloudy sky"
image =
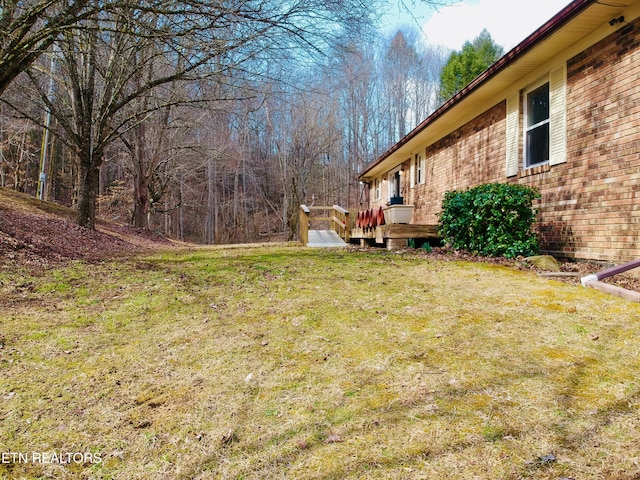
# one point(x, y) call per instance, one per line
point(508, 21)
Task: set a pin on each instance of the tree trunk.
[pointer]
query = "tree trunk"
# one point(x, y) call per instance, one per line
point(140, 202)
point(245, 206)
point(49, 185)
point(88, 184)
point(181, 210)
point(210, 223)
point(236, 206)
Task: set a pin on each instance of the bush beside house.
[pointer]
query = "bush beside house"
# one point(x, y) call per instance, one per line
point(495, 219)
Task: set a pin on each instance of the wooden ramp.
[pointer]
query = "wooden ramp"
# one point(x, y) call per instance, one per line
point(325, 239)
point(336, 236)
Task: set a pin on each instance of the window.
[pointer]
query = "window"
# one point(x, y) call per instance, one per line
point(376, 184)
point(395, 183)
point(419, 170)
point(537, 126)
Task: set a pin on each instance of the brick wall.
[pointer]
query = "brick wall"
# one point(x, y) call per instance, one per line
point(471, 155)
point(590, 206)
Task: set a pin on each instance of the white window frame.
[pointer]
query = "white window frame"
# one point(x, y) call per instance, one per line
point(527, 128)
point(420, 173)
point(376, 188)
point(412, 173)
point(516, 120)
point(390, 175)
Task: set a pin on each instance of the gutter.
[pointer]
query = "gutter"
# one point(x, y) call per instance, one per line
point(551, 26)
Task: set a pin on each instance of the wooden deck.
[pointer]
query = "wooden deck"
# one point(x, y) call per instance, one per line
point(394, 235)
point(340, 233)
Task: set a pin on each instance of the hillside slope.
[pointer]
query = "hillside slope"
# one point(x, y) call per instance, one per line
point(35, 233)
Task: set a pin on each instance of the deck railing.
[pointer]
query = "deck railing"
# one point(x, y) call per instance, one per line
point(337, 216)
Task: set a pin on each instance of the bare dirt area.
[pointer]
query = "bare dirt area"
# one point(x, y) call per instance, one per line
point(35, 234)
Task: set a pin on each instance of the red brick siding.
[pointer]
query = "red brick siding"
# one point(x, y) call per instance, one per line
point(472, 155)
point(590, 206)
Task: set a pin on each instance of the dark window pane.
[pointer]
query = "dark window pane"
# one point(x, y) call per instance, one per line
point(538, 144)
point(538, 105)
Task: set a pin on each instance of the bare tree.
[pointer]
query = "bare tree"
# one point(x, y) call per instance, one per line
point(197, 39)
point(125, 71)
point(399, 58)
point(17, 154)
point(306, 134)
point(149, 154)
point(357, 87)
point(29, 27)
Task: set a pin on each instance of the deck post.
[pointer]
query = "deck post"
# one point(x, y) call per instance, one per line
point(340, 221)
point(304, 224)
point(347, 228)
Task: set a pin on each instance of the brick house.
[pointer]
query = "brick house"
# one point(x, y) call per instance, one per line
point(561, 112)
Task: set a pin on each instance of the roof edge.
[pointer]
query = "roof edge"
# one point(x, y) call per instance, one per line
point(553, 24)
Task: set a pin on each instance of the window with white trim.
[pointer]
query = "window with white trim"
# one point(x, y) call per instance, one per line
point(536, 126)
point(419, 169)
point(376, 186)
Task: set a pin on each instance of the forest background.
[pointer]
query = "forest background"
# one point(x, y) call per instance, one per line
point(213, 124)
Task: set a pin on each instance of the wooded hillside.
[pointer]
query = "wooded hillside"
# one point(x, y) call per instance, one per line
point(172, 129)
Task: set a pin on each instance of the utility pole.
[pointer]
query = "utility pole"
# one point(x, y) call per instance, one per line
point(44, 151)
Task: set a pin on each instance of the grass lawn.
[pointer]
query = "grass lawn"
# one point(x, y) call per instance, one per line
point(280, 362)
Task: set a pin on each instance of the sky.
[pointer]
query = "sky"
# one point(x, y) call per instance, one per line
point(508, 21)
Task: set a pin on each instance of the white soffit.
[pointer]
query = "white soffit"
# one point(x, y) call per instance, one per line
point(593, 20)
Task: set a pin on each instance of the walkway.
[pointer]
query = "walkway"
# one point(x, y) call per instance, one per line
point(325, 239)
point(335, 217)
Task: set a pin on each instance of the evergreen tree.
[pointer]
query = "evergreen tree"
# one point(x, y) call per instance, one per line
point(465, 65)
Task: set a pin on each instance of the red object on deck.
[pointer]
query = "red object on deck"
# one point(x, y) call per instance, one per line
point(380, 215)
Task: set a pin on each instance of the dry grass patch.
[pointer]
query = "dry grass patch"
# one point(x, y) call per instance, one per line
point(294, 363)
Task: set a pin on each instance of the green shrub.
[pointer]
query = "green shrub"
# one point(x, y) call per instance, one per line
point(494, 220)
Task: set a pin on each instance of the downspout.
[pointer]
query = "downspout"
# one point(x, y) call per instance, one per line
point(594, 281)
point(610, 272)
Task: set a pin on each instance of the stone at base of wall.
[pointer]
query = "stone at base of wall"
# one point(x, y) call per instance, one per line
point(545, 262)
